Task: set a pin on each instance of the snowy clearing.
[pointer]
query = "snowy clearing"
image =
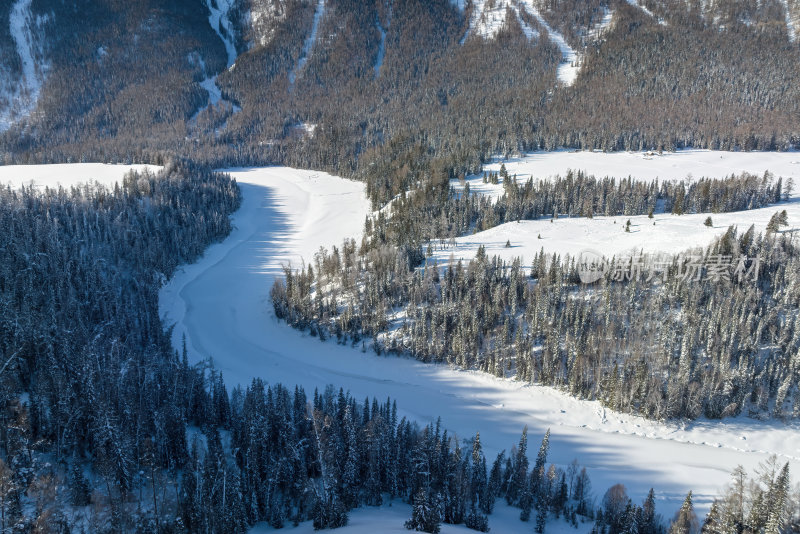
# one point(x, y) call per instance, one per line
point(221, 304)
point(389, 519)
point(67, 174)
point(671, 234)
point(647, 166)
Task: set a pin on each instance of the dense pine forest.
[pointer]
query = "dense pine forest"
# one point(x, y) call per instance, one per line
point(107, 428)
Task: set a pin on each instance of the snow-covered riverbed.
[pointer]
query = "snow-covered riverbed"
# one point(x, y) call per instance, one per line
point(222, 306)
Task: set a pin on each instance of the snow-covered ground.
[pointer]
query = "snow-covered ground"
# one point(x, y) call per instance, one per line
point(221, 24)
point(671, 234)
point(20, 95)
point(569, 66)
point(680, 165)
point(308, 45)
point(66, 174)
point(221, 304)
point(389, 519)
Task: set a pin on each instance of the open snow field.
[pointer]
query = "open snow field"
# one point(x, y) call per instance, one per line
point(671, 234)
point(681, 165)
point(221, 304)
point(66, 174)
point(389, 519)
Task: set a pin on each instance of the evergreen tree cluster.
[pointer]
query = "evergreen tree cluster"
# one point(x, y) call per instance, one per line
point(764, 502)
point(693, 339)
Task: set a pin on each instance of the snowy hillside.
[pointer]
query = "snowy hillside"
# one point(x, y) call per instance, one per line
point(18, 94)
point(489, 17)
point(222, 305)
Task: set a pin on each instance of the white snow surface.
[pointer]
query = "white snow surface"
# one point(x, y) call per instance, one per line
point(219, 21)
point(221, 304)
point(21, 96)
point(67, 174)
point(308, 45)
point(389, 519)
point(671, 234)
point(684, 165)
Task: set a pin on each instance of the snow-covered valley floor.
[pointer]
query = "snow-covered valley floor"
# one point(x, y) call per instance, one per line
point(66, 174)
point(221, 304)
point(665, 233)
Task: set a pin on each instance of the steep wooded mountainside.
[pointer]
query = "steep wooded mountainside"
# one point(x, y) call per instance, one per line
point(339, 84)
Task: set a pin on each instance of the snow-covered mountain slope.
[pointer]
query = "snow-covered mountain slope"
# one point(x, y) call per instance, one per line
point(261, 18)
point(681, 165)
point(490, 16)
point(222, 305)
point(220, 23)
point(18, 94)
point(308, 45)
point(66, 174)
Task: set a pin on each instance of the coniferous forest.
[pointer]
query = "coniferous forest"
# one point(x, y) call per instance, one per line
point(108, 427)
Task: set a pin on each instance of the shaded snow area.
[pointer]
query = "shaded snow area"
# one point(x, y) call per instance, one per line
point(308, 45)
point(684, 165)
point(220, 23)
point(18, 96)
point(222, 305)
point(388, 519)
point(67, 174)
point(489, 17)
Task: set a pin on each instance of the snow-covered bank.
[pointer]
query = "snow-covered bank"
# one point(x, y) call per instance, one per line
point(66, 174)
point(221, 304)
point(680, 165)
point(389, 519)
